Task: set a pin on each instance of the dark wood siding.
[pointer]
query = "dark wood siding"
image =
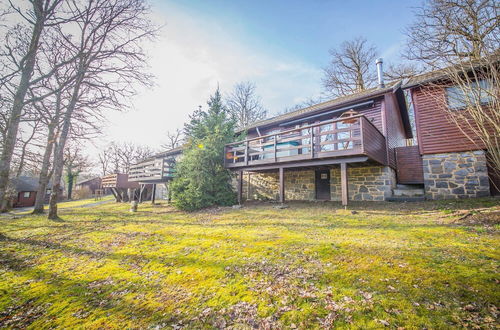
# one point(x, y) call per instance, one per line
point(22, 201)
point(395, 133)
point(409, 165)
point(374, 114)
point(92, 185)
point(436, 133)
point(374, 143)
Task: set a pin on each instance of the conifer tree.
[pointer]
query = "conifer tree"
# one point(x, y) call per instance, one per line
point(201, 179)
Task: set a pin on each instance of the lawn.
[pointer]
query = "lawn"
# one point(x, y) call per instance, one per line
point(316, 265)
point(70, 204)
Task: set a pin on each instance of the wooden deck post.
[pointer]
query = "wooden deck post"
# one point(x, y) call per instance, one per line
point(153, 195)
point(344, 183)
point(282, 185)
point(240, 187)
point(140, 193)
point(248, 186)
point(117, 199)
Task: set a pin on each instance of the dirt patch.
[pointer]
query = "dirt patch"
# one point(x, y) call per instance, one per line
point(485, 218)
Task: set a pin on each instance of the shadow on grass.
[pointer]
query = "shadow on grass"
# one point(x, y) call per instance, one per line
point(101, 299)
point(90, 300)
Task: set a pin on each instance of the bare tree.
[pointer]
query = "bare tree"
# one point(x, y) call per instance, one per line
point(106, 38)
point(23, 57)
point(48, 101)
point(24, 144)
point(449, 31)
point(244, 104)
point(351, 68)
point(74, 163)
point(304, 104)
point(401, 71)
point(174, 139)
point(118, 157)
point(50, 113)
point(104, 161)
point(461, 38)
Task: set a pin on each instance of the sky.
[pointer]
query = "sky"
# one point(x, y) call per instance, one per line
point(281, 46)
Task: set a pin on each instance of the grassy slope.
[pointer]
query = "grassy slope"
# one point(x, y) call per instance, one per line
point(307, 266)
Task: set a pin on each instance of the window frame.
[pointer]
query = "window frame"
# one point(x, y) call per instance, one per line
point(463, 105)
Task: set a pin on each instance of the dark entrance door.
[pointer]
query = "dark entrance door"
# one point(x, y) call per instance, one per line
point(323, 184)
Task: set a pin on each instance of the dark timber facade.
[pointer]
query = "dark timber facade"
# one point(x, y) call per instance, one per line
point(337, 150)
point(455, 165)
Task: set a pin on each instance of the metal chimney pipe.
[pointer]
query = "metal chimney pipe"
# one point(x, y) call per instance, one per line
point(380, 72)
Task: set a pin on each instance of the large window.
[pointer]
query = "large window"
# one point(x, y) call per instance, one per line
point(460, 97)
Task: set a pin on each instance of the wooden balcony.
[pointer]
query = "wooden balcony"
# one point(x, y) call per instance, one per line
point(109, 181)
point(155, 170)
point(333, 139)
point(119, 180)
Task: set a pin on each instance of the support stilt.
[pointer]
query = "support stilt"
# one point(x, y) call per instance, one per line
point(240, 187)
point(153, 196)
point(282, 185)
point(344, 183)
point(140, 193)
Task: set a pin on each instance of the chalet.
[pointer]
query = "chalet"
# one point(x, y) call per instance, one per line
point(91, 184)
point(347, 148)
point(454, 166)
point(158, 169)
point(123, 189)
point(357, 147)
point(26, 188)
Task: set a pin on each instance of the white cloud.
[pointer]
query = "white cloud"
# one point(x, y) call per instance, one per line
point(189, 59)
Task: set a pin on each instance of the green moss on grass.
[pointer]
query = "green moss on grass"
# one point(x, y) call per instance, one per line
point(432, 265)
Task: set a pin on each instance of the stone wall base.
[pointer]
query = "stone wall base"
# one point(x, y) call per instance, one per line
point(456, 175)
point(367, 183)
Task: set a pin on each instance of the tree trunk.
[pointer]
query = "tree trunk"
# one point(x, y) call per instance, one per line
point(18, 103)
point(59, 152)
point(70, 177)
point(58, 170)
point(43, 179)
point(21, 161)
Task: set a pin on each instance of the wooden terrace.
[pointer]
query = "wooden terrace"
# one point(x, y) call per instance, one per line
point(157, 170)
point(341, 141)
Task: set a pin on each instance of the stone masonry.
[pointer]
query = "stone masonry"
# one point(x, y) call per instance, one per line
point(299, 185)
point(369, 183)
point(456, 175)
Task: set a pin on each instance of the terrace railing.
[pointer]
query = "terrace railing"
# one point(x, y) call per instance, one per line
point(342, 137)
point(109, 181)
point(159, 169)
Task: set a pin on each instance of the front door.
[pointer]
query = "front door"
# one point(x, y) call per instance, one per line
point(323, 184)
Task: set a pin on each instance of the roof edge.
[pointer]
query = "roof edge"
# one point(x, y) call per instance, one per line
point(322, 106)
